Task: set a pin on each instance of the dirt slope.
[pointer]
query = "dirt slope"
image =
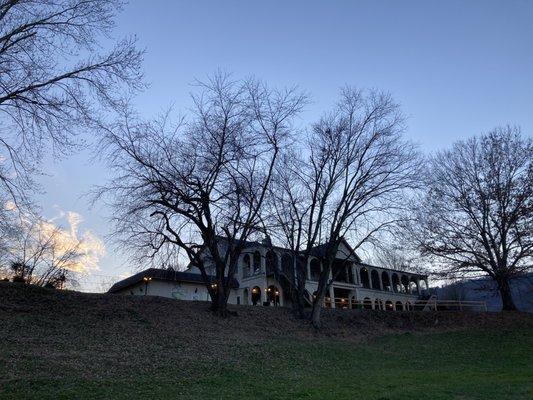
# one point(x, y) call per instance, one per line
point(57, 310)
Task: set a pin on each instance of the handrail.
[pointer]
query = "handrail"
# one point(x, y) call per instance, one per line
point(436, 305)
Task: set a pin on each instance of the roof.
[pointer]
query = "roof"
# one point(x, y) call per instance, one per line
point(164, 275)
point(316, 250)
point(321, 248)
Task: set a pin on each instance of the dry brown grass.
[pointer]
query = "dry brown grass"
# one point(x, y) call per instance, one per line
point(70, 336)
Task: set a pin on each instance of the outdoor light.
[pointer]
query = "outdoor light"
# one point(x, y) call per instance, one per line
point(146, 279)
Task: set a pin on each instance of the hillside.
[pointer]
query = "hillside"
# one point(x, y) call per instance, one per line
point(75, 345)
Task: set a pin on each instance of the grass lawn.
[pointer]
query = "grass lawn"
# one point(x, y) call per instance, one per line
point(450, 365)
point(68, 345)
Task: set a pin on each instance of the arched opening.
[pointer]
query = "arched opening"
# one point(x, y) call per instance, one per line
point(286, 264)
point(385, 281)
point(256, 295)
point(367, 303)
point(257, 262)
point(246, 297)
point(408, 306)
point(271, 260)
point(273, 295)
point(378, 304)
point(365, 281)
point(246, 266)
point(399, 306)
point(389, 306)
point(315, 269)
point(405, 284)
point(374, 275)
point(413, 286)
point(423, 286)
point(396, 287)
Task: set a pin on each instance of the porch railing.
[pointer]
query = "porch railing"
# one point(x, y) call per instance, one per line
point(418, 305)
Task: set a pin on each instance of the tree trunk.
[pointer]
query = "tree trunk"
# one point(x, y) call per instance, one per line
point(505, 293)
point(317, 308)
point(322, 289)
point(318, 303)
point(220, 306)
point(219, 301)
point(298, 303)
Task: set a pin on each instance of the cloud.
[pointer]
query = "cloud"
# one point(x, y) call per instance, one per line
point(10, 205)
point(65, 232)
point(74, 219)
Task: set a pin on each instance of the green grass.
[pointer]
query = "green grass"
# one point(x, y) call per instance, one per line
point(452, 365)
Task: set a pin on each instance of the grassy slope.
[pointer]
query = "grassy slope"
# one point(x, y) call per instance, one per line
point(61, 345)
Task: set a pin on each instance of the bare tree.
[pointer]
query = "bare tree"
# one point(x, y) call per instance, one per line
point(41, 255)
point(285, 218)
point(476, 216)
point(395, 252)
point(55, 81)
point(197, 188)
point(349, 185)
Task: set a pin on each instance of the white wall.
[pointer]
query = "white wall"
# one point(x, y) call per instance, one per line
point(175, 290)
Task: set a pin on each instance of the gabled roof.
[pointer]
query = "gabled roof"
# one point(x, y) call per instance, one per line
point(320, 249)
point(164, 275)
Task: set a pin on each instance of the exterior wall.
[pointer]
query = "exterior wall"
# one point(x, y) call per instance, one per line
point(262, 282)
point(174, 290)
point(354, 288)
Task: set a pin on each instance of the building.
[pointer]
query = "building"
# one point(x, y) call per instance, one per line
point(263, 278)
point(168, 283)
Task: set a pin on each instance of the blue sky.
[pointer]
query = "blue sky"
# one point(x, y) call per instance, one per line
point(457, 68)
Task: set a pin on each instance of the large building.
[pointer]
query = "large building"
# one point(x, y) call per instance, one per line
point(263, 278)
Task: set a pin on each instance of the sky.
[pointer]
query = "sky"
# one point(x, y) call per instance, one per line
point(458, 68)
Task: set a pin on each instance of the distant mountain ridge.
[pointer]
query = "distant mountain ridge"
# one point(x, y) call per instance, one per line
point(484, 289)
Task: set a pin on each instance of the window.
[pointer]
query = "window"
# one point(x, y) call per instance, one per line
point(246, 266)
point(315, 270)
point(257, 262)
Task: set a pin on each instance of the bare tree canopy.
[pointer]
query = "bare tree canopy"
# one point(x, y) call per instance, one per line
point(55, 80)
point(348, 185)
point(41, 253)
point(476, 216)
point(197, 187)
